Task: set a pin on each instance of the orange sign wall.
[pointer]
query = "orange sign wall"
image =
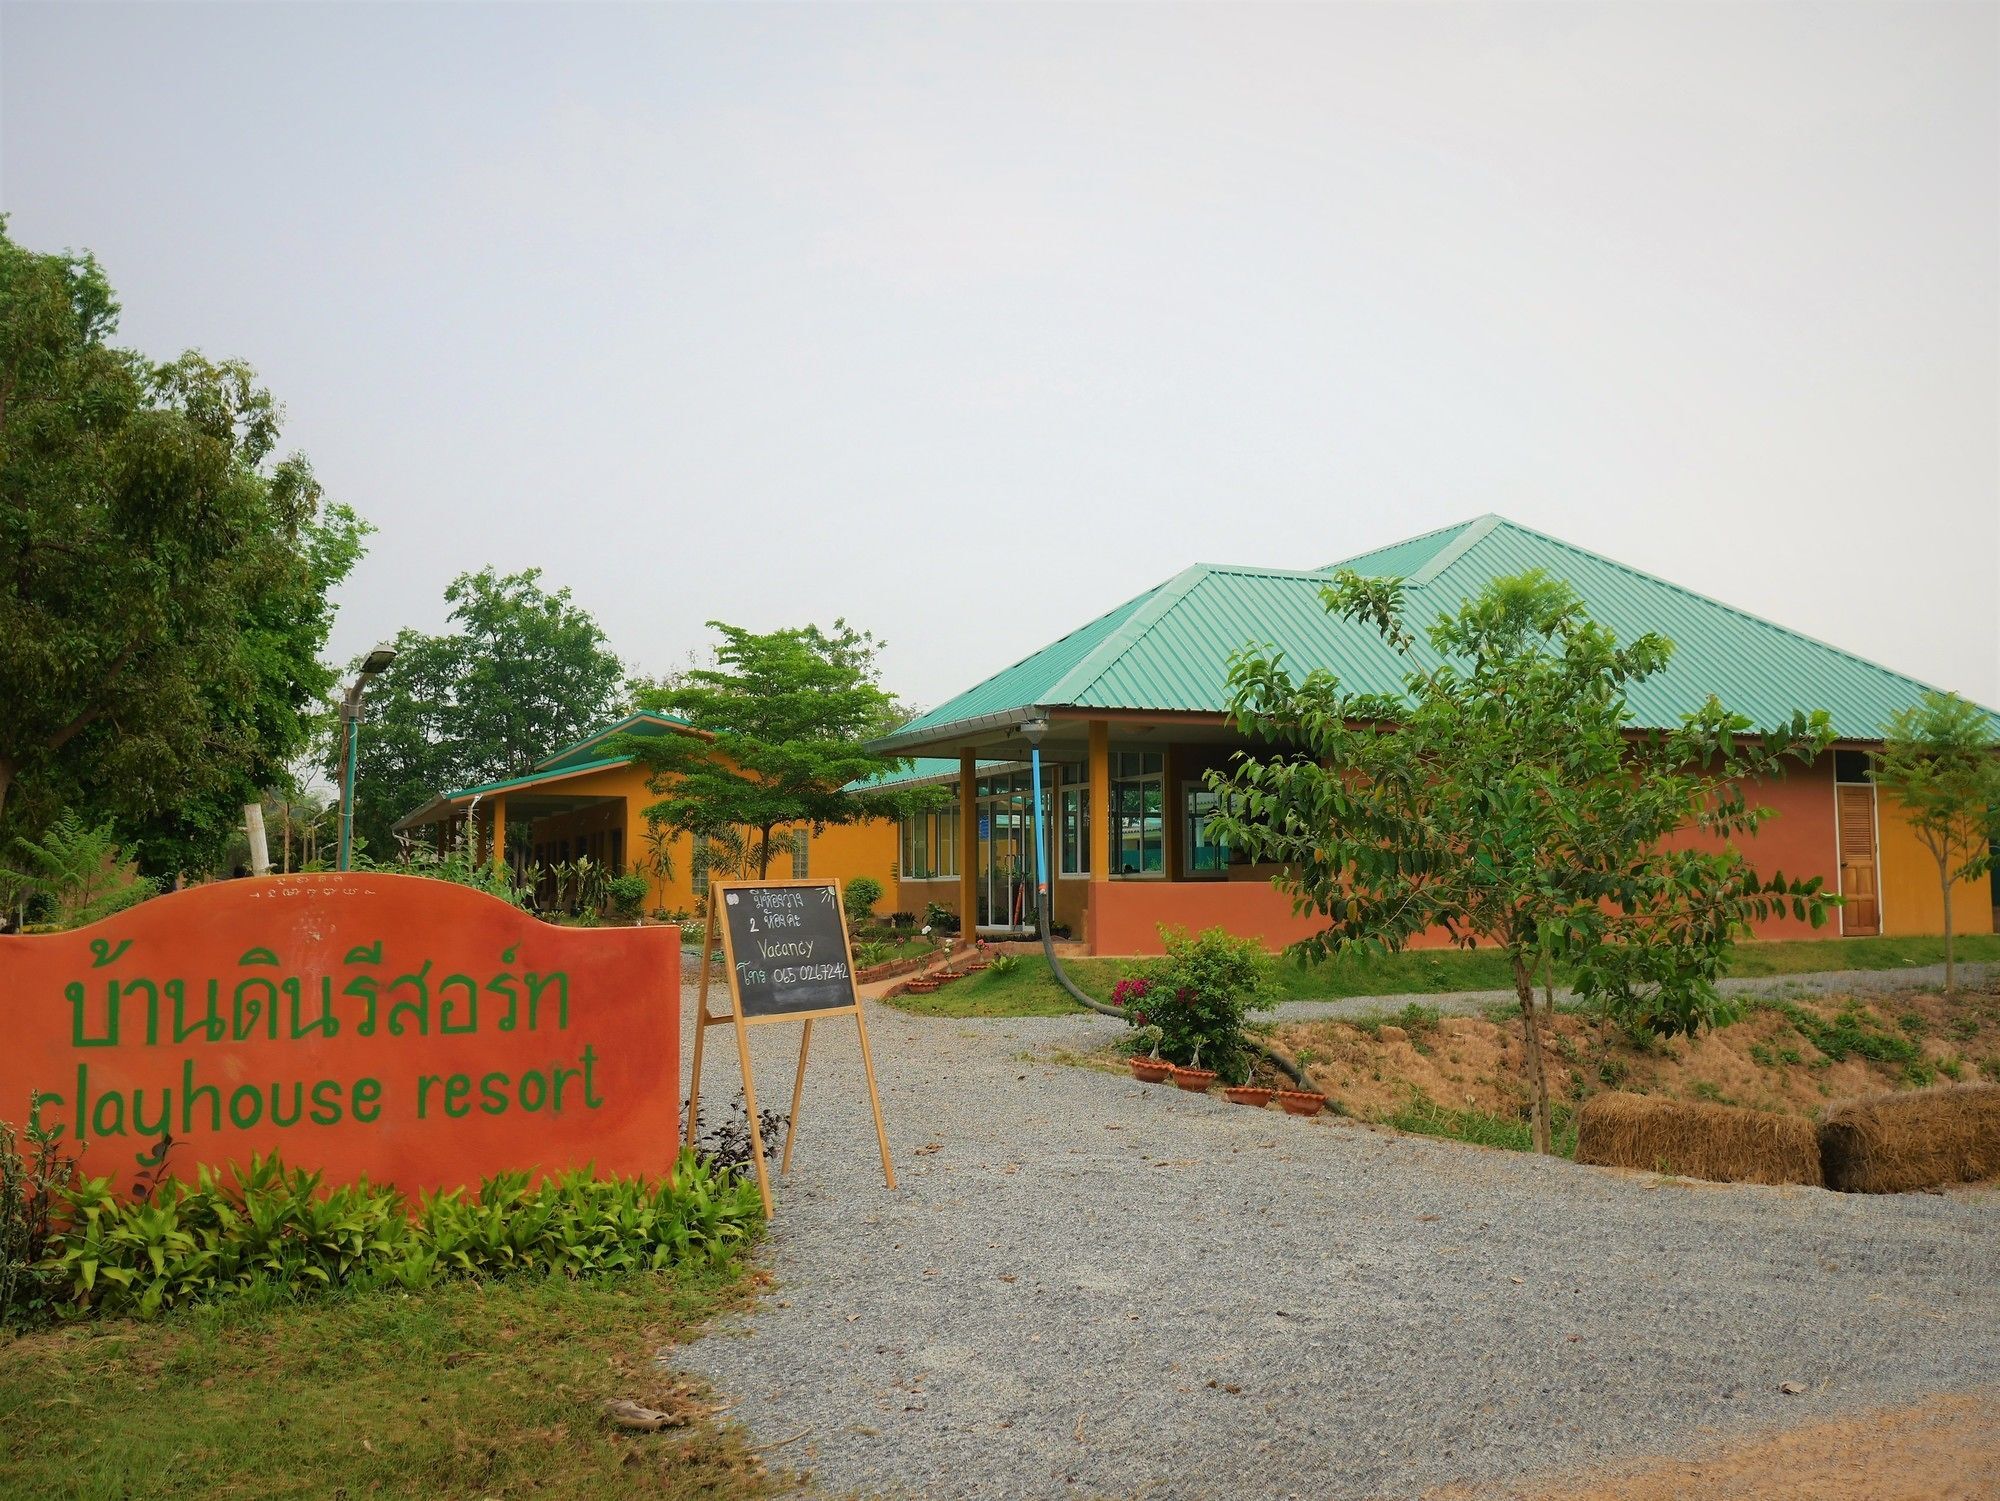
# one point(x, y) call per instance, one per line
point(390, 1027)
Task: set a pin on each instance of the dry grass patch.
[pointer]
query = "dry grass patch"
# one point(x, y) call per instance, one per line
point(1723, 1143)
point(1892, 1143)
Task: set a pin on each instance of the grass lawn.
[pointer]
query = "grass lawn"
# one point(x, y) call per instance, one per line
point(469, 1390)
point(1030, 990)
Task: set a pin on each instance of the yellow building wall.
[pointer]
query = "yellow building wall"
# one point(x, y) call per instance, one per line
point(865, 849)
point(1912, 901)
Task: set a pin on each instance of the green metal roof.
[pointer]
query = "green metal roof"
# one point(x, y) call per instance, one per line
point(646, 722)
point(1169, 648)
point(918, 770)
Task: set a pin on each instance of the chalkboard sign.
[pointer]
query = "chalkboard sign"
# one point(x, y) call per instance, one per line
point(787, 948)
point(785, 944)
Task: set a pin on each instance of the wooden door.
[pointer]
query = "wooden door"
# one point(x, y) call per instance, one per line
point(1862, 914)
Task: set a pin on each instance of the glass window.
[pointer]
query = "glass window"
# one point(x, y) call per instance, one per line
point(801, 854)
point(698, 865)
point(946, 840)
point(1206, 855)
point(1075, 832)
point(1137, 803)
point(916, 847)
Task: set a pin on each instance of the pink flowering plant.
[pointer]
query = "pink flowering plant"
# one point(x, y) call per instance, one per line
point(1192, 1003)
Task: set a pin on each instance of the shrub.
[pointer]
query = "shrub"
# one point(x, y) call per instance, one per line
point(859, 897)
point(626, 895)
point(271, 1229)
point(939, 918)
point(1197, 996)
point(30, 1188)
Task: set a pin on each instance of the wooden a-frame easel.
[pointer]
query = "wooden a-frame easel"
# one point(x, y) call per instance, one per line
point(703, 1021)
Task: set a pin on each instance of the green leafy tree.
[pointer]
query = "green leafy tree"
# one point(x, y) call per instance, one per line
point(168, 576)
point(1504, 798)
point(74, 874)
point(525, 671)
point(1941, 761)
point(781, 718)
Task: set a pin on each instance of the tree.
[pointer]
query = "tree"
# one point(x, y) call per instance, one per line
point(525, 672)
point(1941, 760)
point(780, 720)
point(1504, 798)
point(168, 575)
point(75, 873)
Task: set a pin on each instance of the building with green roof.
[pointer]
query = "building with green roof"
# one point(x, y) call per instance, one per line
point(1132, 710)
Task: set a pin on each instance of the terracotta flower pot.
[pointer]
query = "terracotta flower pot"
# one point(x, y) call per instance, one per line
point(1301, 1101)
point(1194, 1080)
point(1150, 1070)
point(1253, 1095)
point(921, 987)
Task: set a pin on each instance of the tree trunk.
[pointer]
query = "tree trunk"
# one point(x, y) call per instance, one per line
point(764, 853)
point(1531, 1035)
point(6, 780)
point(1950, 972)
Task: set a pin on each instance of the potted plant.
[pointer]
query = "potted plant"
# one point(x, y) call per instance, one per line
point(1303, 1101)
point(1152, 1068)
point(1194, 1078)
point(1256, 1096)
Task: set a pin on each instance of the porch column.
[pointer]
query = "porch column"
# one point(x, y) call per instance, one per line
point(968, 844)
point(500, 830)
point(1100, 827)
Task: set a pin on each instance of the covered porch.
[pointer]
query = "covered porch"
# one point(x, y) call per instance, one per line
point(1123, 827)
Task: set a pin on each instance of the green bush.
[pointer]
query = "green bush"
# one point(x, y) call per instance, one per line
point(274, 1231)
point(626, 895)
point(859, 897)
point(1197, 997)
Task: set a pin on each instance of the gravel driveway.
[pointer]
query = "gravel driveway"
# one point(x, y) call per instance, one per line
point(1086, 1287)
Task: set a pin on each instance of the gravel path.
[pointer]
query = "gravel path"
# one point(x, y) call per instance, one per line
point(1086, 1287)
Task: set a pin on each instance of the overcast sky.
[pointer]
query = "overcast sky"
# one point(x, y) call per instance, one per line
point(967, 324)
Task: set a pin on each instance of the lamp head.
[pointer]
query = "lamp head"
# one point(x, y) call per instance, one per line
point(378, 660)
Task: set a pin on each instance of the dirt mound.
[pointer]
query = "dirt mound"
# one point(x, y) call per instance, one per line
point(1723, 1143)
point(1891, 1143)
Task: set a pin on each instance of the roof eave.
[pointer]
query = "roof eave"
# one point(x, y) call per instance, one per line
point(954, 732)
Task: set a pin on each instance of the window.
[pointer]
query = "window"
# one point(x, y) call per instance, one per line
point(1205, 855)
point(1138, 792)
point(1850, 766)
point(801, 854)
point(1074, 835)
point(945, 843)
point(698, 865)
point(916, 847)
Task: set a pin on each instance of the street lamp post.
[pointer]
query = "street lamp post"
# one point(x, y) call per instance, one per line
point(350, 718)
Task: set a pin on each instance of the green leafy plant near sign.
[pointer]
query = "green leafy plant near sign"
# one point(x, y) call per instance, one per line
point(31, 1185)
point(74, 874)
point(268, 1230)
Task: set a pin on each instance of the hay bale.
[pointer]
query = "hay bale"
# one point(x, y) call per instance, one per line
point(1693, 1139)
point(1914, 1138)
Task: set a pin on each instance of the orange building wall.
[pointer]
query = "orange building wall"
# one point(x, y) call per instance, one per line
point(1798, 840)
point(1912, 900)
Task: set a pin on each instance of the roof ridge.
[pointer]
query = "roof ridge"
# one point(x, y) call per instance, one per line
point(1099, 659)
point(1369, 552)
point(1707, 599)
point(1470, 535)
point(600, 731)
point(1101, 616)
